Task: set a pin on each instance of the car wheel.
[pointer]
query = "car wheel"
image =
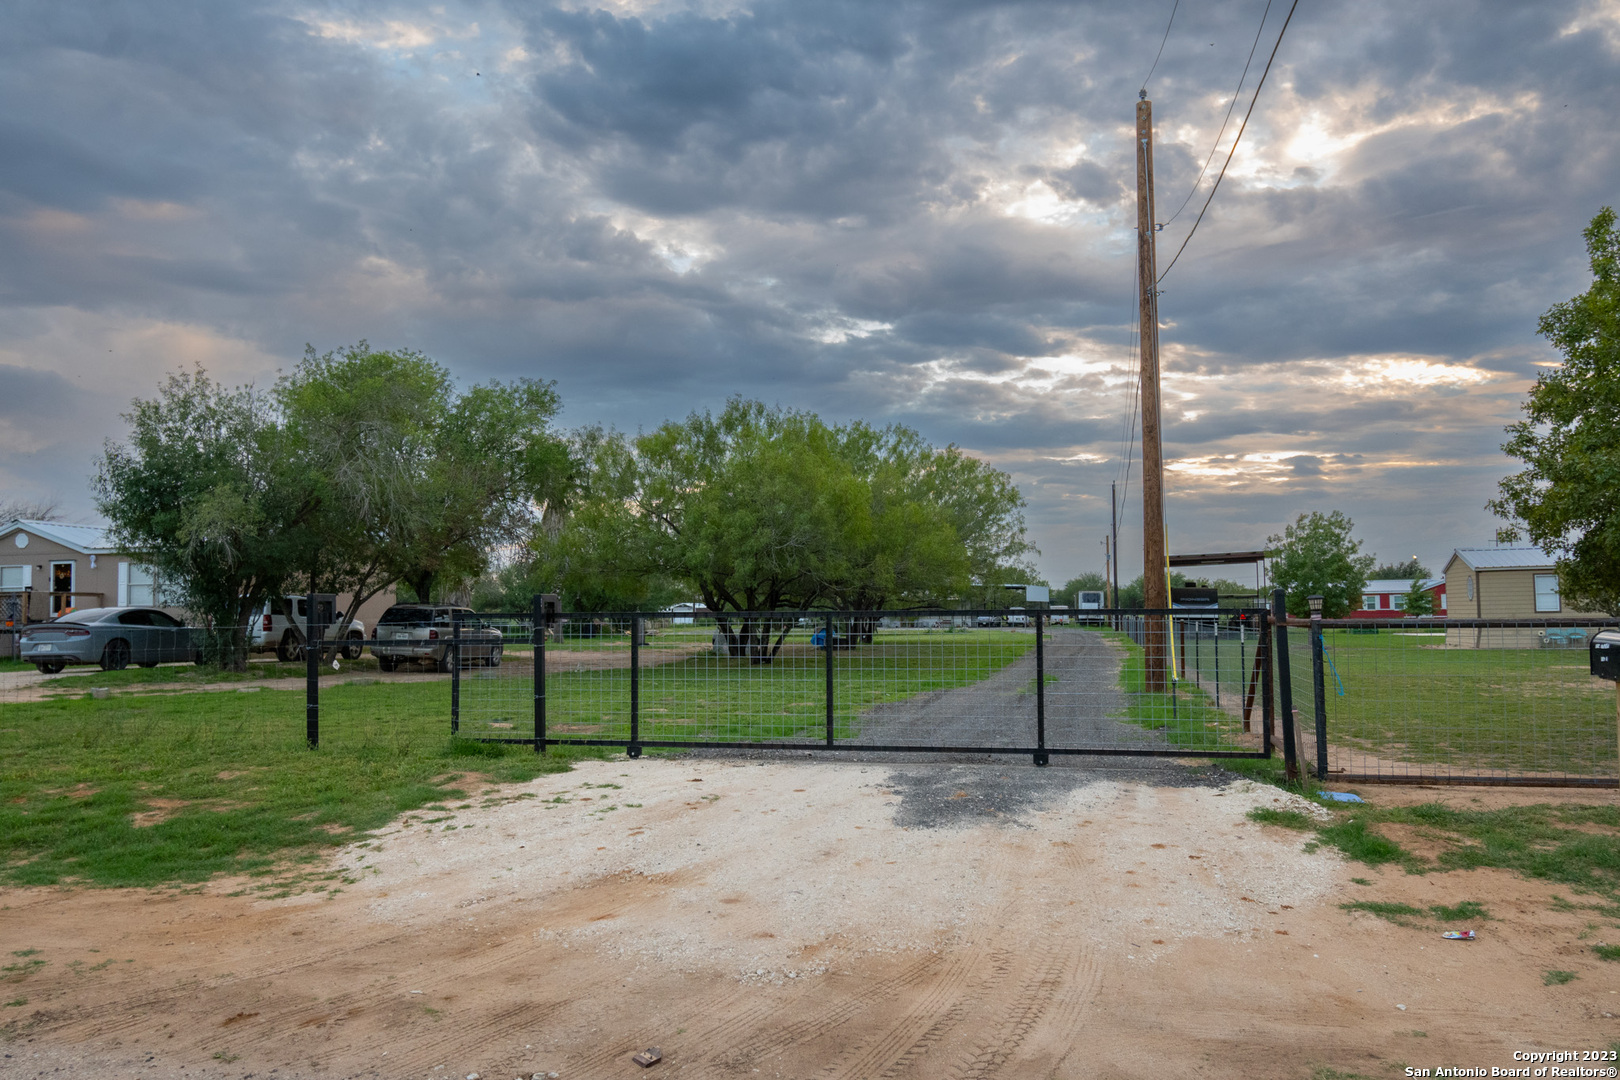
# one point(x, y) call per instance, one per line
point(354, 643)
point(289, 650)
point(386, 663)
point(444, 662)
point(51, 667)
point(494, 659)
point(115, 657)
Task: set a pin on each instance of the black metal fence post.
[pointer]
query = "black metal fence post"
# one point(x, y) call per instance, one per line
point(455, 674)
point(313, 632)
point(1319, 688)
point(1285, 684)
point(634, 749)
point(541, 620)
point(827, 649)
point(1268, 712)
point(1040, 688)
point(1218, 661)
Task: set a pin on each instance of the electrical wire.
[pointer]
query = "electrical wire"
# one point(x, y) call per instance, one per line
point(1217, 185)
point(1162, 40)
point(1232, 105)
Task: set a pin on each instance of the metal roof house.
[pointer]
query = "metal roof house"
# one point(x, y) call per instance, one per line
point(1505, 583)
point(48, 567)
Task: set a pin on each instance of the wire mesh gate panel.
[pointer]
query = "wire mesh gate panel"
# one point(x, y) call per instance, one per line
point(1453, 701)
point(942, 681)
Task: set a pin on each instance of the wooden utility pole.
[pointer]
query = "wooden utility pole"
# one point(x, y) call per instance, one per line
point(1155, 588)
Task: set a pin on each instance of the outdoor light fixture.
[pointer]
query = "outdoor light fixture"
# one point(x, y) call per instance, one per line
point(1316, 606)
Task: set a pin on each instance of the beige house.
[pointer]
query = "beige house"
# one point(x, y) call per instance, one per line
point(47, 567)
point(1507, 583)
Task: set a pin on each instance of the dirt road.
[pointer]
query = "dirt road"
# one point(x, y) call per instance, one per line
point(811, 919)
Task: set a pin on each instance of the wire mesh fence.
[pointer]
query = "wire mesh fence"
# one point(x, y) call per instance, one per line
point(1453, 701)
point(1407, 700)
point(973, 681)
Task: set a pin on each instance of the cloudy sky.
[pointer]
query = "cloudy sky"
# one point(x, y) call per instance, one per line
point(913, 212)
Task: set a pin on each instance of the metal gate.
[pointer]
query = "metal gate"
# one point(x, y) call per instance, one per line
point(1103, 682)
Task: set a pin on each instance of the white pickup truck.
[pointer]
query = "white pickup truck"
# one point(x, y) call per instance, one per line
point(280, 626)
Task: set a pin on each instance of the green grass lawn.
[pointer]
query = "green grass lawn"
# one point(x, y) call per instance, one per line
point(1522, 710)
point(227, 778)
point(1403, 697)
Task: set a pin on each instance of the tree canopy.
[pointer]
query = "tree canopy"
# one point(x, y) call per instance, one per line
point(1316, 556)
point(1409, 570)
point(362, 468)
point(1567, 498)
point(761, 508)
point(206, 492)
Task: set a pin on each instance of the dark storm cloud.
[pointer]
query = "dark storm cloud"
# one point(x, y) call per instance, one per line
point(913, 212)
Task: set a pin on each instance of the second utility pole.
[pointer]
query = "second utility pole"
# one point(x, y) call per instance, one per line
point(1155, 587)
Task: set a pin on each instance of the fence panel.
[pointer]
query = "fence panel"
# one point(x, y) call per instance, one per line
point(1455, 701)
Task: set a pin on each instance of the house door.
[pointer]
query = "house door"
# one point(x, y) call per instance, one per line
point(61, 587)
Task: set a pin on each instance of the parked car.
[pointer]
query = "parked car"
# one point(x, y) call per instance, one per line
point(282, 625)
point(409, 633)
point(113, 637)
point(987, 620)
point(1017, 617)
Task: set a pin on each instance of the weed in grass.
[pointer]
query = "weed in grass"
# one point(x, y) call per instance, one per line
point(1404, 913)
point(1400, 914)
point(1607, 952)
point(1360, 881)
point(20, 971)
point(1288, 819)
point(227, 1058)
point(1357, 842)
point(1323, 1072)
point(16, 1003)
point(26, 952)
point(1466, 911)
point(1558, 978)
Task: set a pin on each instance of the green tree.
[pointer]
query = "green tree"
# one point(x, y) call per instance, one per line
point(1418, 601)
point(418, 482)
point(205, 492)
point(1399, 571)
point(1567, 498)
point(1316, 555)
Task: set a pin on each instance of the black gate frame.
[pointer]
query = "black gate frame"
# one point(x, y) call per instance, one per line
point(545, 614)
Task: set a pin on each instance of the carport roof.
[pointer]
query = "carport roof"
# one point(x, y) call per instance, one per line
point(87, 539)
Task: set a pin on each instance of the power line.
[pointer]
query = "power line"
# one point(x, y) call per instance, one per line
point(1162, 40)
point(1217, 185)
point(1216, 145)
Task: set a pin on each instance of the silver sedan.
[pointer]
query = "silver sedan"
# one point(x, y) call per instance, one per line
point(113, 637)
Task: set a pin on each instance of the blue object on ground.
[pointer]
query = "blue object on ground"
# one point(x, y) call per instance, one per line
point(819, 638)
point(1340, 796)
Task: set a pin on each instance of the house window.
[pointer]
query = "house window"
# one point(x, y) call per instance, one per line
point(1547, 593)
point(13, 578)
point(1442, 601)
point(138, 586)
point(1398, 603)
point(1470, 588)
point(1369, 602)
